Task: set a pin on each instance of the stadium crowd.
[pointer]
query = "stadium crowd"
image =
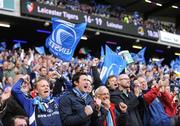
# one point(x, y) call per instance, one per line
point(109, 11)
point(42, 90)
point(45, 91)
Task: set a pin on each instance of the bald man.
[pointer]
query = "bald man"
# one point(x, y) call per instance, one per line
point(125, 95)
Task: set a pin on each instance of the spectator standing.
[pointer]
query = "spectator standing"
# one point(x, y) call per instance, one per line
point(107, 111)
point(76, 106)
point(43, 109)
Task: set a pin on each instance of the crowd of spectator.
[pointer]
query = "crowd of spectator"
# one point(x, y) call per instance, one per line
point(109, 11)
point(43, 90)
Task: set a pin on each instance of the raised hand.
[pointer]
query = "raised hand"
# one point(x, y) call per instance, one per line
point(6, 94)
point(88, 110)
point(95, 61)
point(123, 107)
point(106, 103)
point(137, 91)
point(97, 103)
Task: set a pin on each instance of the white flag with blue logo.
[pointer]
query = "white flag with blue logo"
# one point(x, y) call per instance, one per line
point(113, 65)
point(64, 38)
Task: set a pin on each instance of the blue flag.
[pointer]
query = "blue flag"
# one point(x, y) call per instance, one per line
point(139, 57)
point(101, 62)
point(64, 38)
point(118, 49)
point(159, 63)
point(40, 50)
point(113, 65)
point(2, 46)
point(17, 45)
point(102, 52)
point(175, 65)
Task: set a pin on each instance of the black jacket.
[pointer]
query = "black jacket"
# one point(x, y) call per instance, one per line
point(132, 102)
point(12, 109)
point(72, 110)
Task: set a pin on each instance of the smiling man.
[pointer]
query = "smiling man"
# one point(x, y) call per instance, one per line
point(75, 106)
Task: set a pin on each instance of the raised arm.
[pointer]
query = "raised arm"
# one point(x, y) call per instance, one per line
point(21, 97)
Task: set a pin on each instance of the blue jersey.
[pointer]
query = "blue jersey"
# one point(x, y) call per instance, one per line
point(51, 117)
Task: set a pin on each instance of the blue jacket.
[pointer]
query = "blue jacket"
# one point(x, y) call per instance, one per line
point(37, 117)
point(154, 113)
point(72, 110)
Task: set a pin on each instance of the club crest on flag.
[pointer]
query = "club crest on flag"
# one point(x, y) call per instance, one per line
point(62, 34)
point(64, 38)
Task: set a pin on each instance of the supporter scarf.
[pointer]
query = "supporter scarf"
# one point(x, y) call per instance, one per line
point(109, 119)
point(42, 103)
point(81, 95)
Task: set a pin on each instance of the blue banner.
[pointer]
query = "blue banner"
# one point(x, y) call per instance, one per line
point(17, 45)
point(64, 38)
point(175, 65)
point(159, 63)
point(139, 57)
point(40, 50)
point(2, 46)
point(102, 52)
point(113, 65)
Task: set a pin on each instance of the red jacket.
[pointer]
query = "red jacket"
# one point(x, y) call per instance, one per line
point(166, 100)
point(169, 105)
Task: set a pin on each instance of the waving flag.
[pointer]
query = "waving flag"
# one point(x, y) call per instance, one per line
point(83, 51)
point(139, 57)
point(40, 50)
point(127, 56)
point(118, 49)
point(17, 45)
point(175, 65)
point(64, 38)
point(113, 65)
point(101, 62)
point(102, 52)
point(2, 46)
point(159, 63)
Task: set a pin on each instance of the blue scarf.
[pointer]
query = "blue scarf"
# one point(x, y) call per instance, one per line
point(42, 103)
point(109, 119)
point(81, 95)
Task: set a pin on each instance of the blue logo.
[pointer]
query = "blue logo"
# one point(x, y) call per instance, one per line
point(64, 35)
point(64, 38)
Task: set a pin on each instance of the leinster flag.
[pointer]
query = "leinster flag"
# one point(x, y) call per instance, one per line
point(40, 50)
point(113, 65)
point(64, 38)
